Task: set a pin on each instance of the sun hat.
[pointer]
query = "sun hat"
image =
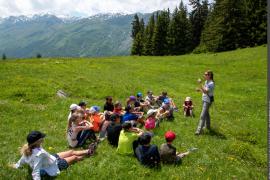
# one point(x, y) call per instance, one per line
point(188, 99)
point(33, 136)
point(166, 101)
point(94, 109)
point(170, 135)
point(73, 107)
point(132, 98)
point(150, 112)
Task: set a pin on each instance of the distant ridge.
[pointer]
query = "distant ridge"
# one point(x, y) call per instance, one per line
point(52, 36)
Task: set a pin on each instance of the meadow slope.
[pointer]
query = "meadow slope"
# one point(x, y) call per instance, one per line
point(235, 149)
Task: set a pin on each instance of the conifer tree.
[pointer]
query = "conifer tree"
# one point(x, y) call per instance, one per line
point(137, 35)
point(179, 35)
point(160, 46)
point(135, 26)
point(257, 16)
point(4, 57)
point(226, 27)
point(148, 36)
point(198, 17)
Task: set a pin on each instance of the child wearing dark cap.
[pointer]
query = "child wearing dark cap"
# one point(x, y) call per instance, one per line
point(45, 164)
point(168, 152)
point(146, 153)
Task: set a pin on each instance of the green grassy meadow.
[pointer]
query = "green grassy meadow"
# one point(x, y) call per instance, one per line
point(235, 149)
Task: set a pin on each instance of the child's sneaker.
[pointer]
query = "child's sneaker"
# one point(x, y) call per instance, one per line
point(91, 149)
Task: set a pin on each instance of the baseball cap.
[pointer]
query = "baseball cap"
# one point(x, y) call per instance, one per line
point(145, 138)
point(94, 109)
point(73, 107)
point(132, 97)
point(33, 136)
point(139, 94)
point(150, 112)
point(166, 101)
point(170, 135)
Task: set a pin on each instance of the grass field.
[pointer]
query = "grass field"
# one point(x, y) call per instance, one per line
point(236, 149)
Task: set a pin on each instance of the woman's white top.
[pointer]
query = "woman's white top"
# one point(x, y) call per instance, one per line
point(209, 85)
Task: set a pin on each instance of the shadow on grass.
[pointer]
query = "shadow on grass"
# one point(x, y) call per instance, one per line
point(216, 133)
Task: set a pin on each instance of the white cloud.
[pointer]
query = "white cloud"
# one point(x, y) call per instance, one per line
point(83, 7)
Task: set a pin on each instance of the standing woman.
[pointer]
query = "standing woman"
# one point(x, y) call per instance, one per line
point(207, 99)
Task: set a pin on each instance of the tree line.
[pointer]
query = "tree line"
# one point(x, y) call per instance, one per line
point(210, 27)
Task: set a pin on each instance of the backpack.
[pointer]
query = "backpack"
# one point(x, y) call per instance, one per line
point(149, 159)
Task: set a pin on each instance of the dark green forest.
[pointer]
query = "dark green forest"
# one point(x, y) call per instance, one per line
point(222, 25)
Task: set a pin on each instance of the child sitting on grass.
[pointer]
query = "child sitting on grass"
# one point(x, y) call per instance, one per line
point(168, 152)
point(146, 153)
point(128, 139)
point(79, 131)
point(45, 164)
point(113, 130)
point(188, 107)
point(165, 111)
point(108, 106)
point(150, 122)
point(95, 117)
point(133, 117)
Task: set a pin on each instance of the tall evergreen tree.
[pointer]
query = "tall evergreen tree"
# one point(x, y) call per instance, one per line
point(198, 17)
point(148, 36)
point(160, 46)
point(137, 48)
point(226, 27)
point(135, 26)
point(137, 35)
point(179, 35)
point(257, 16)
point(4, 57)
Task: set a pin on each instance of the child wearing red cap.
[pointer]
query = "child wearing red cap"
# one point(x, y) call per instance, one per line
point(168, 152)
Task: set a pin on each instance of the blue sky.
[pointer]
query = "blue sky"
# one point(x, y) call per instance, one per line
point(83, 8)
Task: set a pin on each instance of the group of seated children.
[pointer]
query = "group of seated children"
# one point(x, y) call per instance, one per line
point(115, 123)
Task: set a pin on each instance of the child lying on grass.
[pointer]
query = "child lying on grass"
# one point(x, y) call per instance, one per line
point(45, 164)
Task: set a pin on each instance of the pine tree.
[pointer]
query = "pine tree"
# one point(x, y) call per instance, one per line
point(257, 16)
point(179, 35)
point(160, 46)
point(137, 35)
point(4, 57)
point(137, 48)
point(135, 26)
point(148, 36)
point(226, 27)
point(198, 17)
point(39, 55)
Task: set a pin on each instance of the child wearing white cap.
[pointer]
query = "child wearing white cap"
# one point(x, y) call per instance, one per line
point(150, 122)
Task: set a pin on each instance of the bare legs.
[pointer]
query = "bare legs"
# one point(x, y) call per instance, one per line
point(72, 156)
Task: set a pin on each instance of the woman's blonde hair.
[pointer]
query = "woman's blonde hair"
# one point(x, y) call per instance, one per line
point(28, 148)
